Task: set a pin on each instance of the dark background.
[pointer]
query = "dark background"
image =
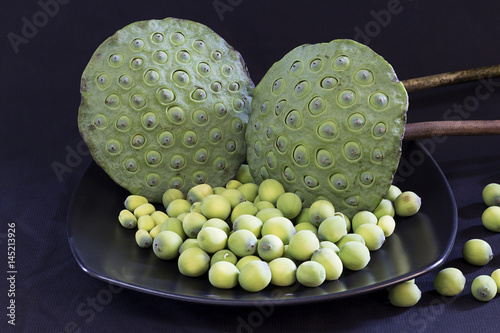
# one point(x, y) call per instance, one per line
point(39, 104)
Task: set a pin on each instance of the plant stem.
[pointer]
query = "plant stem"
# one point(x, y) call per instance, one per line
point(449, 78)
point(414, 131)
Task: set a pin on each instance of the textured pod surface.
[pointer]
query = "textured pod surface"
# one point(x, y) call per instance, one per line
point(165, 104)
point(327, 122)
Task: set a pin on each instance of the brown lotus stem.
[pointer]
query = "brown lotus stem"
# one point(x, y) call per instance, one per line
point(414, 131)
point(450, 78)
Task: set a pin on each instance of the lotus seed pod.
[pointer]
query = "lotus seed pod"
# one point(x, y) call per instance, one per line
point(248, 222)
point(211, 239)
point(127, 219)
point(263, 205)
point(354, 255)
point(245, 260)
point(255, 276)
point(242, 243)
point(363, 217)
point(302, 245)
point(449, 281)
point(350, 237)
point(188, 243)
point(143, 238)
point(477, 252)
point(405, 294)
point(198, 192)
point(320, 210)
point(388, 224)
point(332, 130)
point(491, 218)
point(270, 247)
point(166, 245)
point(233, 184)
point(246, 207)
point(385, 207)
point(146, 222)
point(159, 217)
point(223, 255)
point(484, 288)
point(217, 223)
point(192, 223)
point(244, 176)
point(175, 225)
point(332, 229)
point(329, 259)
point(306, 226)
point(283, 272)
point(392, 193)
point(144, 209)
point(311, 274)
point(491, 194)
point(155, 231)
point(171, 195)
point(249, 190)
point(223, 275)
point(177, 207)
point(193, 262)
point(289, 204)
point(134, 201)
point(234, 197)
point(270, 190)
point(149, 113)
point(496, 277)
point(407, 204)
point(279, 226)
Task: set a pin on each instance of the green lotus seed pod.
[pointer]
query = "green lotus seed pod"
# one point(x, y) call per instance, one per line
point(159, 217)
point(245, 260)
point(449, 281)
point(175, 225)
point(249, 190)
point(484, 288)
point(216, 206)
point(234, 197)
point(263, 205)
point(170, 195)
point(289, 204)
point(477, 252)
point(198, 192)
point(332, 229)
point(146, 222)
point(188, 243)
point(302, 245)
point(405, 294)
point(268, 213)
point(350, 237)
point(388, 224)
point(217, 223)
point(306, 226)
point(407, 204)
point(144, 209)
point(491, 194)
point(134, 201)
point(279, 226)
point(354, 255)
point(372, 234)
point(336, 126)
point(242, 242)
point(192, 223)
point(255, 276)
point(193, 262)
point(363, 217)
point(329, 245)
point(329, 259)
point(143, 238)
point(320, 210)
point(166, 245)
point(283, 272)
point(233, 184)
point(127, 219)
point(248, 222)
point(491, 218)
point(311, 274)
point(211, 239)
point(270, 190)
point(496, 277)
point(392, 193)
point(385, 207)
point(149, 108)
point(246, 207)
point(223, 275)
point(243, 175)
point(223, 255)
point(178, 207)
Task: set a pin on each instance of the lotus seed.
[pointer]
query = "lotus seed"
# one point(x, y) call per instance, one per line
point(160, 57)
point(327, 130)
point(235, 86)
point(257, 148)
point(271, 160)
point(339, 181)
point(310, 181)
point(204, 68)
point(280, 106)
point(379, 101)
point(352, 151)
point(264, 108)
point(176, 182)
point(100, 121)
point(157, 37)
point(177, 38)
point(201, 155)
point(301, 89)
point(153, 157)
point(366, 178)
point(227, 70)
point(300, 155)
point(138, 101)
point(238, 104)
point(324, 158)
point(138, 141)
point(151, 77)
point(177, 162)
point(123, 123)
point(149, 120)
point(288, 174)
point(181, 78)
point(175, 114)
point(364, 77)
point(341, 63)
point(115, 60)
point(113, 146)
point(379, 130)
point(215, 135)
point(220, 109)
point(296, 68)
point(131, 165)
point(293, 119)
point(231, 146)
point(166, 138)
point(200, 117)
point(184, 57)
point(199, 94)
point(216, 55)
point(190, 138)
point(356, 121)
point(317, 105)
point(315, 65)
point(352, 200)
point(237, 126)
point(277, 86)
point(216, 86)
point(346, 98)
point(282, 143)
point(136, 63)
point(199, 45)
point(329, 82)
point(377, 155)
point(103, 81)
point(165, 96)
point(125, 81)
point(112, 101)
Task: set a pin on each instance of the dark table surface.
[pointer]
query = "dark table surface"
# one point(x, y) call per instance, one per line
point(46, 45)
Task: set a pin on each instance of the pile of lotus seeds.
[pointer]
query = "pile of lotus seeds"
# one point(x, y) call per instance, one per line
point(256, 235)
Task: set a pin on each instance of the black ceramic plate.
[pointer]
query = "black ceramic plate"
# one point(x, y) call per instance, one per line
point(106, 250)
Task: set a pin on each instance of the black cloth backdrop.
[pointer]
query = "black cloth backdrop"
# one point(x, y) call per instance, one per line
point(46, 45)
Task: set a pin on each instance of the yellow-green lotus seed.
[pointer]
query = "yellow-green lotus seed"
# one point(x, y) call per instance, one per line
point(388, 224)
point(192, 223)
point(212, 239)
point(350, 237)
point(127, 219)
point(311, 274)
point(332, 229)
point(245, 260)
point(392, 193)
point(320, 210)
point(354, 255)
point(242, 242)
point(306, 226)
point(146, 222)
point(193, 262)
point(177, 207)
point(270, 190)
point(289, 204)
point(491, 218)
point(407, 204)
point(223, 275)
point(255, 276)
point(188, 243)
point(155, 231)
point(144, 209)
point(166, 245)
point(477, 252)
point(270, 247)
point(332, 263)
point(217, 223)
point(159, 217)
point(175, 225)
point(496, 277)
point(363, 217)
point(303, 244)
point(143, 238)
point(283, 272)
point(385, 207)
point(329, 245)
point(248, 222)
point(246, 207)
point(491, 194)
point(372, 234)
point(279, 226)
point(223, 255)
point(449, 281)
point(216, 206)
point(405, 294)
point(484, 288)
